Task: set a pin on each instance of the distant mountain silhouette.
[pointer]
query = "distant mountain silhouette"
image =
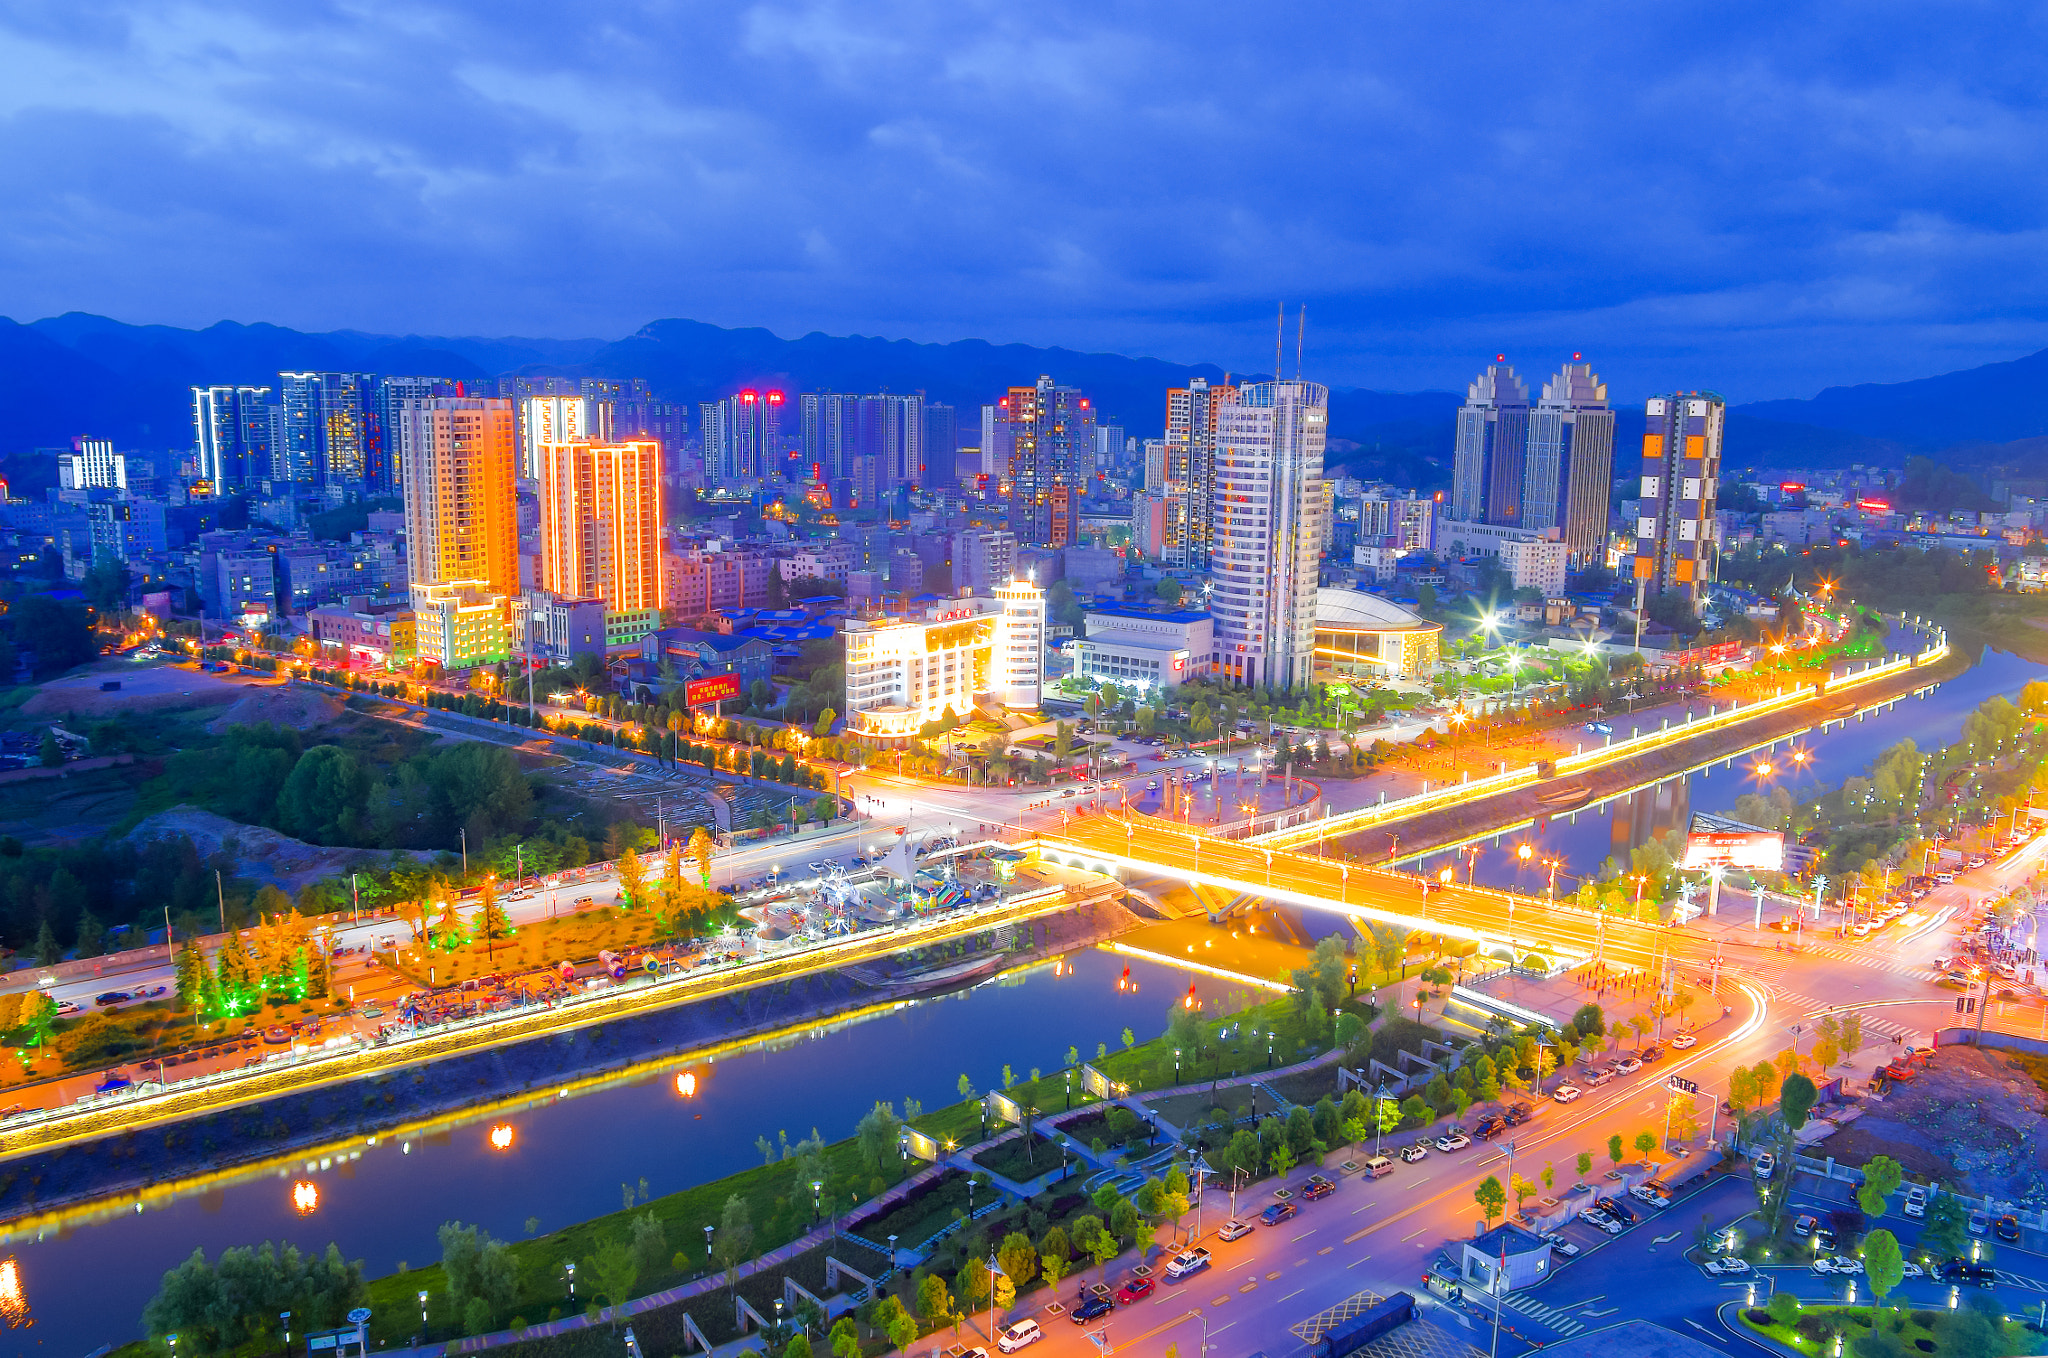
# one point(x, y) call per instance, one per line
point(79, 373)
point(1996, 403)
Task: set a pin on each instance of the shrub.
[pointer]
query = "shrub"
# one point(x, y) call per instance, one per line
point(1757, 1315)
point(1816, 1329)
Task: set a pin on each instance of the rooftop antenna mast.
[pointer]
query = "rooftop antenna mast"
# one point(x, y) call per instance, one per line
point(1300, 324)
point(1279, 338)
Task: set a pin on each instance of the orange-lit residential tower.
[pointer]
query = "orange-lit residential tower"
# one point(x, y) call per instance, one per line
point(600, 522)
point(460, 520)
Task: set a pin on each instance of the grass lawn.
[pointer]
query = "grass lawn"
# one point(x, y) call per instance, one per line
point(1933, 1333)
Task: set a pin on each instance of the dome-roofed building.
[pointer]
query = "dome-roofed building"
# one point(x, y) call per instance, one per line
point(1360, 635)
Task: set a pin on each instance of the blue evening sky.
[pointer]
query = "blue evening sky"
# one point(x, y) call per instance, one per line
point(1762, 198)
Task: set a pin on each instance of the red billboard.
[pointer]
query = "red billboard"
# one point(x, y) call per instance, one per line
point(1759, 849)
point(710, 689)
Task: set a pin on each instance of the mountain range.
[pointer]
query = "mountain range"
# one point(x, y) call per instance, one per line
point(80, 373)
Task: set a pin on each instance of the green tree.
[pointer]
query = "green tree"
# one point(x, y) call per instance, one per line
point(733, 1241)
point(1018, 1257)
point(1616, 1150)
point(1796, 1098)
point(845, 1338)
point(1881, 1178)
point(878, 1134)
point(650, 1245)
point(51, 754)
point(322, 799)
point(1945, 1230)
point(1884, 1263)
point(1584, 1164)
point(934, 1300)
point(897, 1323)
point(1645, 1142)
point(1491, 1197)
point(613, 1270)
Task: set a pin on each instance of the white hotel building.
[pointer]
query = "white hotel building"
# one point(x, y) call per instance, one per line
point(903, 673)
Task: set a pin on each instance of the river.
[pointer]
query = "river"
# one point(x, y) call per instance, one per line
point(86, 1284)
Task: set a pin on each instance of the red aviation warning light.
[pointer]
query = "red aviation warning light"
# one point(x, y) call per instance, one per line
point(775, 398)
point(750, 396)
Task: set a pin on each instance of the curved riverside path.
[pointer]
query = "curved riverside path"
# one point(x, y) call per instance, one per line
point(962, 1159)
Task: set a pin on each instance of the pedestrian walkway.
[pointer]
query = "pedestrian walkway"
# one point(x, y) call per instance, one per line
point(1548, 1315)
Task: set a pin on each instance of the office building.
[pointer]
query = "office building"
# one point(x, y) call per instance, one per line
point(323, 429)
point(1148, 524)
point(1138, 649)
point(1680, 488)
point(459, 624)
point(1534, 558)
point(456, 452)
point(231, 435)
point(600, 529)
point(1570, 464)
point(1491, 448)
point(904, 672)
point(1047, 429)
point(743, 439)
point(1406, 524)
point(1266, 548)
point(92, 464)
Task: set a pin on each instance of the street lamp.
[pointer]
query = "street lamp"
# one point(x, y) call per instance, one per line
point(817, 1191)
point(570, 1269)
point(423, 1314)
point(708, 1260)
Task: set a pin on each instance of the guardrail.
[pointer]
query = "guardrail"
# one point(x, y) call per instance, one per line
point(1507, 780)
point(36, 1127)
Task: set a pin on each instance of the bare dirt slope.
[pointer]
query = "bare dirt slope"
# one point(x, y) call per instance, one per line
point(1974, 1119)
point(143, 688)
point(261, 854)
point(299, 706)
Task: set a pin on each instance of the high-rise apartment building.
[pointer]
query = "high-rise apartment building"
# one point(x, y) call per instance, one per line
point(1680, 489)
point(1189, 471)
point(460, 516)
point(742, 437)
point(325, 428)
point(383, 473)
point(1050, 432)
point(600, 523)
point(545, 420)
point(873, 443)
point(1491, 448)
point(940, 446)
point(231, 435)
point(1266, 549)
point(1570, 467)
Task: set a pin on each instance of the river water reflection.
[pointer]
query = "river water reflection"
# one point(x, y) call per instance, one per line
point(567, 1160)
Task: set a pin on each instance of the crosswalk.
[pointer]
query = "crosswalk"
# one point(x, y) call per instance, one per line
point(1879, 1026)
point(1551, 1316)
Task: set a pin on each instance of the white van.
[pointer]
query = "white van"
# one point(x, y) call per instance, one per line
point(1378, 1167)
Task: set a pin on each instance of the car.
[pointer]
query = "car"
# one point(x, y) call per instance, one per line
point(1067, 792)
point(1601, 1221)
point(1278, 1212)
point(372, 1011)
point(1619, 1210)
point(1565, 1093)
point(1234, 1230)
point(1963, 1271)
point(1684, 1041)
point(66, 1008)
point(1643, 1193)
point(1018, 1335)
point(1724, 1267)
point(1453, 1141)
point(1916, 1200)
point(1418, 1151)
point(1137, 1289)
point(1517, 1114)
point(1765, 1165)
point(1839, 1264)
point(1317, 1188)
point(1090, 1309)
point(2007, 1227)
point(1596, 1076)
point(1979, 1223)
point(1901, 1071)
point(1629, 1065)
point(1490, 1127)
point(1652, 1054)
point(1185, 1263)
point(1912, 1270)
point(112, 997)
point(1563, 1246)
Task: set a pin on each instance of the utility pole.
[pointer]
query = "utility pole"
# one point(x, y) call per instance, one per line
point(221, 894)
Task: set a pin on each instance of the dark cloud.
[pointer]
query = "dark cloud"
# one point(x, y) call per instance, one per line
point(1759, 198)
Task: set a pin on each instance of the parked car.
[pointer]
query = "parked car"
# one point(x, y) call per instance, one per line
point(1418, 1151)
point(1565, 1093)
point(1453, 1141)
point(1652, 1054)
point(1979, 1223)
point(1619, 1210)
point(1517, 1114)
point(1599, 1220)
point(1561, 1245)
point(1643, 1193)
point(1765, 1165)
point(112, 997)
point(1724, 1267)
point(1840, 1265)
point(1596, 1077)
point(1137, 1289)
point(1963, 1271)
point(1684, 1041)
point(1278, 1212)
point(1317, 1188)
point(1018, 1335)
point(1629, 1065)
point(1234, 1230)
point(2007, 1227)
point(66, 1008)
point(1490, 1127)
point(1186, 1262)
point(1090, 1309)
point(1916, 1200)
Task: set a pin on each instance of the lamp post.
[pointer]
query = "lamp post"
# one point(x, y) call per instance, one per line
point(708, 1261)
point(817, 1195)
point(993, 1274)
point(570, 1269)
point(423, 1314)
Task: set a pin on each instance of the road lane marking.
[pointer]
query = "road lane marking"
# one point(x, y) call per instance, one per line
point(1273, 1276)
point(1324, 1250)
point(1358, 1235)
point(1292, 1295)
point(1667, 1239)
point(1303, 1236)
point(1359, 1260)
point(1367, 1208)
point(1412, 1234)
